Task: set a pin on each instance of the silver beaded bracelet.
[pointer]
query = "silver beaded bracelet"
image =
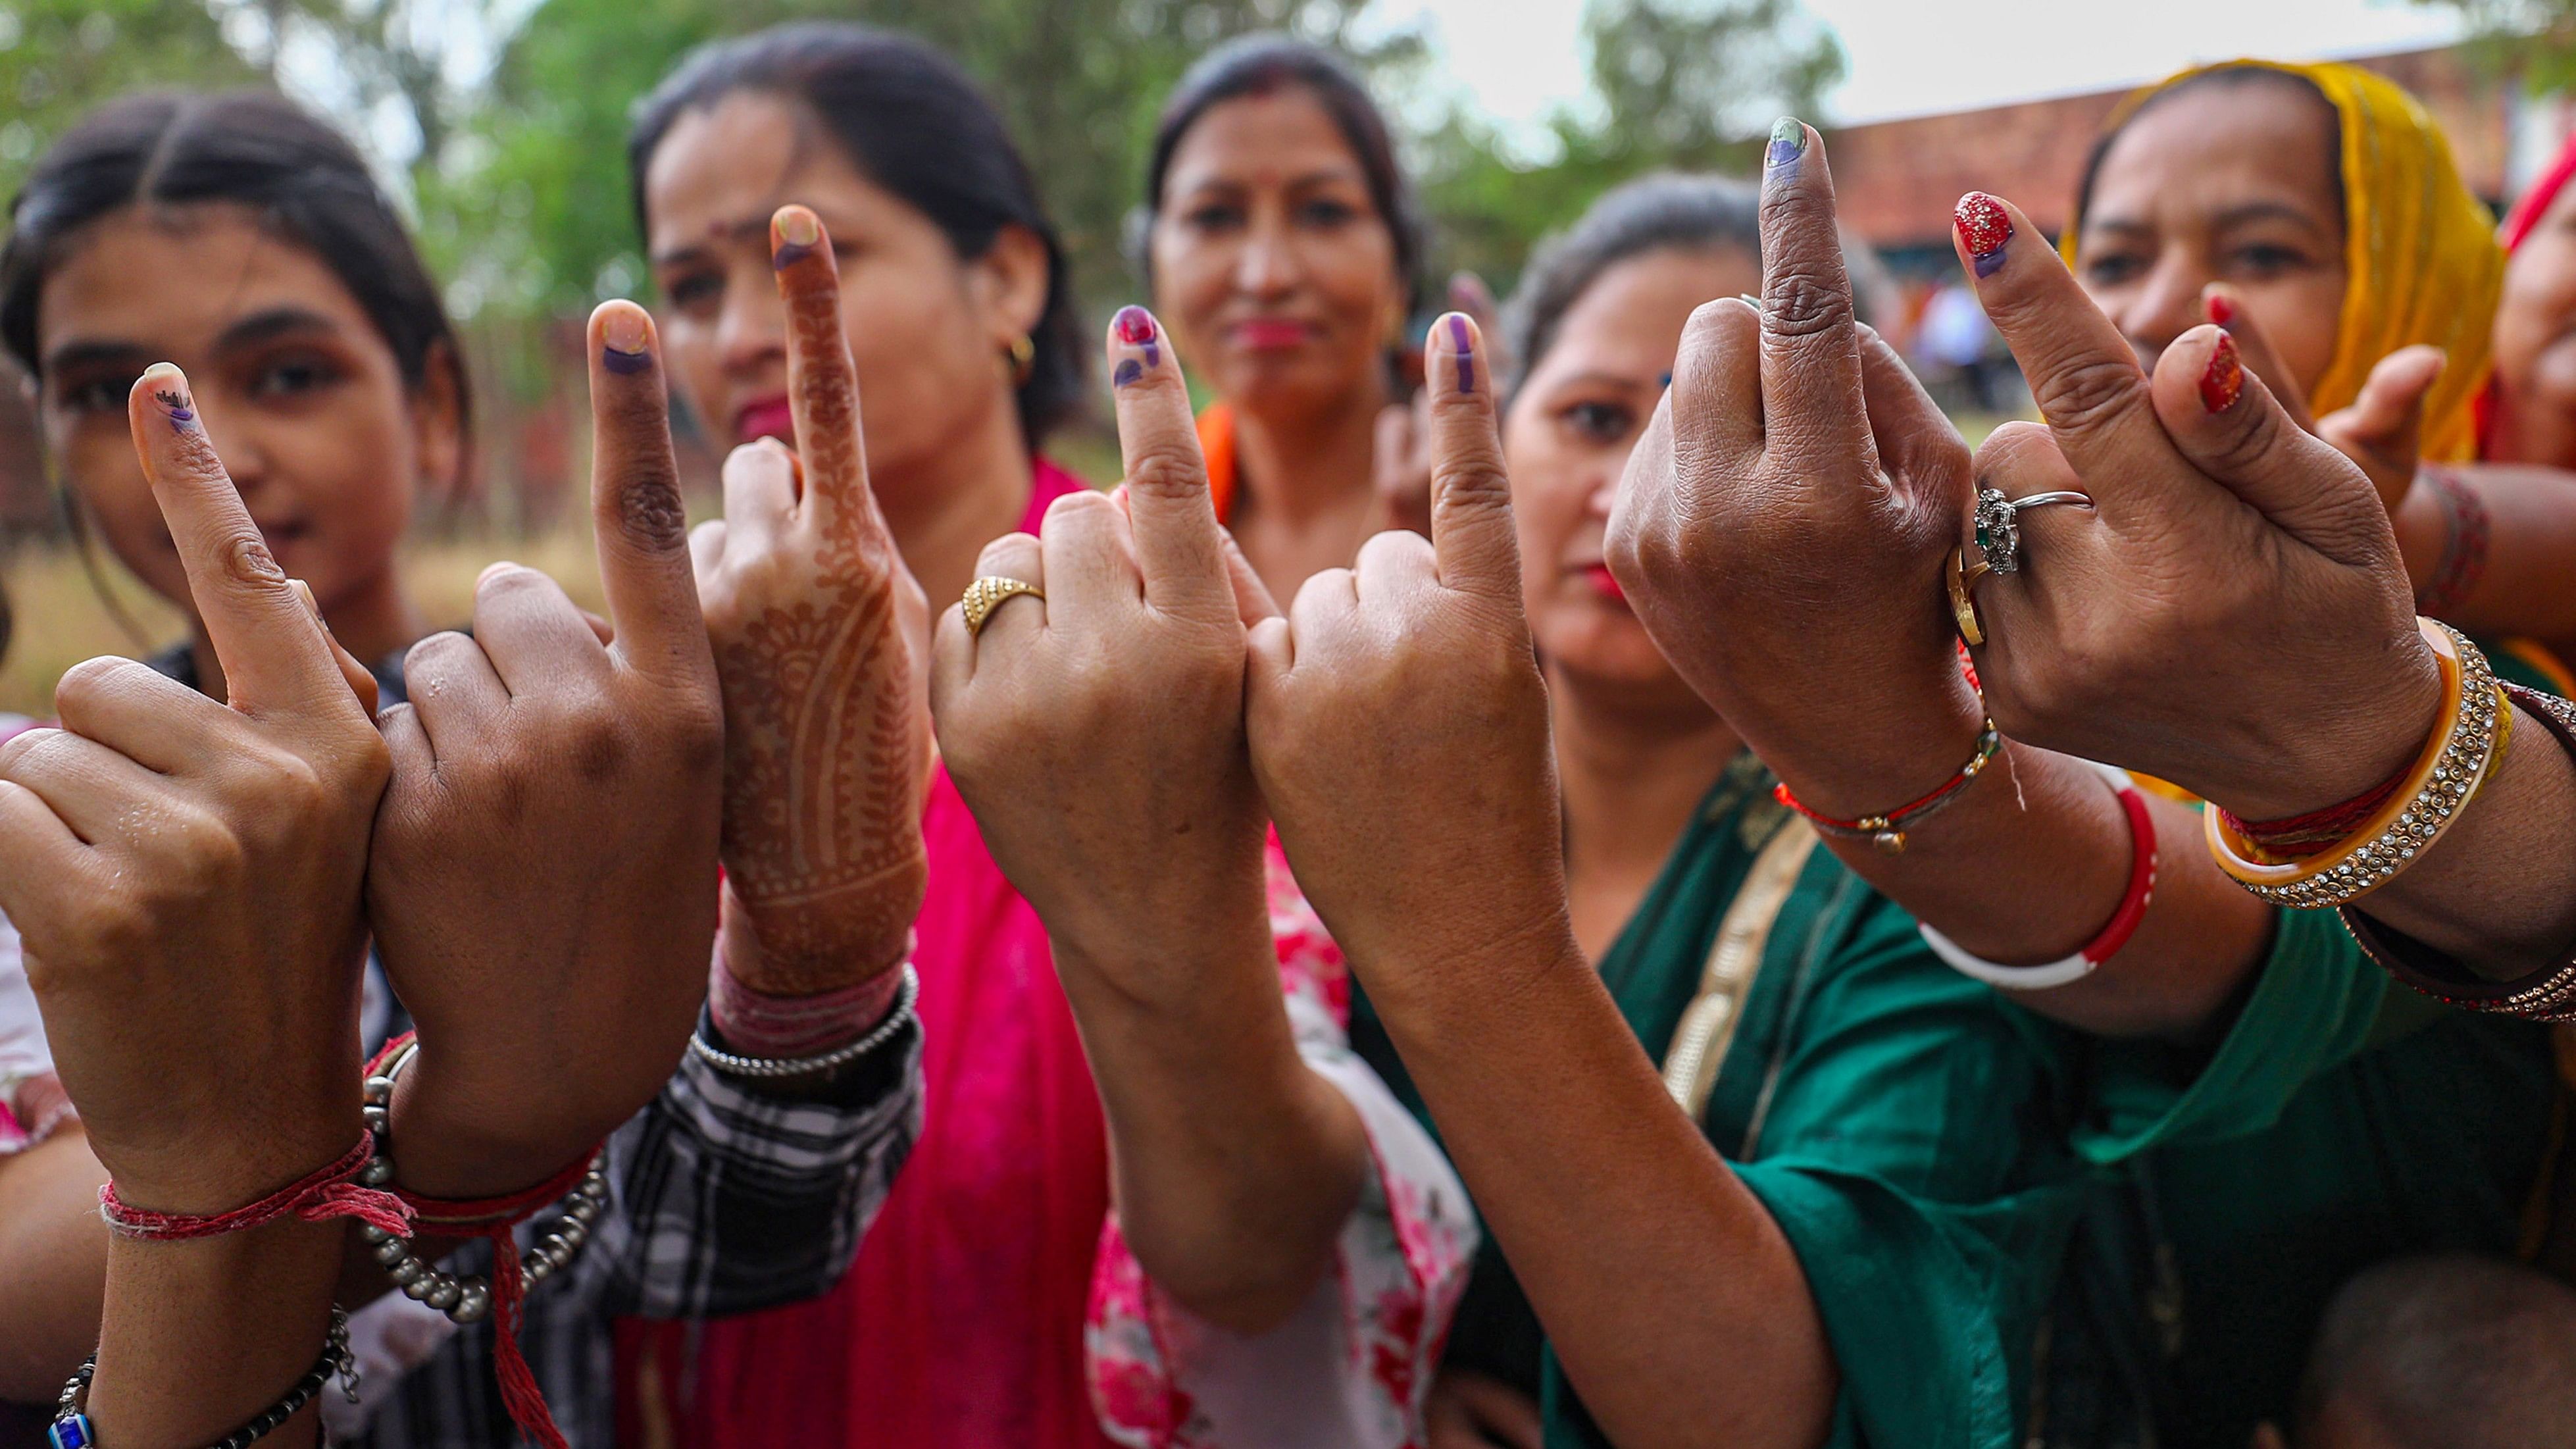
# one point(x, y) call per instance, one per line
point(466, 1298)
point(773, 1068)
point(71, 1429)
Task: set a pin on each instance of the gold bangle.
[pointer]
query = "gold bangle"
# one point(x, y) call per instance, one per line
point(2469, 737)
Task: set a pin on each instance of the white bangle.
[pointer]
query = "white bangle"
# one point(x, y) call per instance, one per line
point(773, 1068)
point(2047, 974)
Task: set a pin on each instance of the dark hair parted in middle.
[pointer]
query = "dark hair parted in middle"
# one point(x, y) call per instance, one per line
point(1258, 65)
point(255, 149)
point(1664, 212)
point(915, 125)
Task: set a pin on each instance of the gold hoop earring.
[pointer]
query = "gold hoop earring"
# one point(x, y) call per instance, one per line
point(1024, 359)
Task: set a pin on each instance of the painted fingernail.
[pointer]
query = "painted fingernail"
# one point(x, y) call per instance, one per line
point(2224, 380)
point(798, 231)
point(1462, 345)
point(1663, 380)
point(1134, 327)
point(2222, 311)
point(624, 345)
point(1788, 143)
point(1986, 230)
point(170, 389)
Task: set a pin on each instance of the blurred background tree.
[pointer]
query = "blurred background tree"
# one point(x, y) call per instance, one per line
point(58, 58)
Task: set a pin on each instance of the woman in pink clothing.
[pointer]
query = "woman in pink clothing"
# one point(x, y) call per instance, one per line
point(1019, 1289)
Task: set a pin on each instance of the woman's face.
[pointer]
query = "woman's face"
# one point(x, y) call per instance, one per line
point(1272, 267)
point(298, 391)
point(1567, 439)
point(930, 335)
point(2229, 181)
point(2535, 331)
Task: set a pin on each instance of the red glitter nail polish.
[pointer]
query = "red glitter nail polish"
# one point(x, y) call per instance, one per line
point(2224, 380)
point(1985, 229)
point(2221, 310)
point(1135, 326)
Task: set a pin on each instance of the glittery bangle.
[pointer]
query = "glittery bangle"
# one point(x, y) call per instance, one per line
point(2548, 994)
point(2469, 735)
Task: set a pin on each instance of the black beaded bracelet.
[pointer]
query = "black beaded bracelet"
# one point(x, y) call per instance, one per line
point(71, 1428)
point(2548, 994)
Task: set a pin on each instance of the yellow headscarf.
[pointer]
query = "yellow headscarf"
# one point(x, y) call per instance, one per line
point(2421, 259)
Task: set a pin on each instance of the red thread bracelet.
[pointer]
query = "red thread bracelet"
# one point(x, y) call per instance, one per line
point(492, 1219)
point(2298, 837)
point(319, 1196)
point(1887, 831)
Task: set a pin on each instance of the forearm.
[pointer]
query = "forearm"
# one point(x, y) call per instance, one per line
point(1672, 1298)
point(200, 1337)
point(53, 1264)
point(2498, 891)
point(1234, 1166)
point(2529, 548)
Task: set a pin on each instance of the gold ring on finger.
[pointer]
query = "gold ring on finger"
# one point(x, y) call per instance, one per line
point(987, 593)
point(1964, 577)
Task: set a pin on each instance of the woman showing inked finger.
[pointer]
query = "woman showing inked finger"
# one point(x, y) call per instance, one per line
point(2314, 212)
point(862, 286)
point(540, 874)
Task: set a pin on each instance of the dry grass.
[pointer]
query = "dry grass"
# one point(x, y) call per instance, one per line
point(63, 619)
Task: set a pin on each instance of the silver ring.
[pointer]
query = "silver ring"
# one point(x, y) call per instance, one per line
point(1999, 523)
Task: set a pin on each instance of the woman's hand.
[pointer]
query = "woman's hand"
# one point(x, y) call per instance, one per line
point(543, 886)
point(186, 874)
point(1399, 726)
point(2232, 615)
point(1402, 474)
point(2381, 431)
point(821, 638)
point(1782, 527)
point(1097, 732)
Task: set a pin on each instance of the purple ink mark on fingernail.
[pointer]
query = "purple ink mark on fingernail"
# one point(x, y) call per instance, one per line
point(626, 364)
point(1128, 370)
point(1788, 143)
point(788, 255)
point(1460, 339)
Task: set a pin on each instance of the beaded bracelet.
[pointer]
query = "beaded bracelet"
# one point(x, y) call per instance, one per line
point(2548, 994)
point(71, 1428)
point(466, 1299)
point(1887, 831)
point(2113, 935)
point(774, 1068)
point(2466, 739)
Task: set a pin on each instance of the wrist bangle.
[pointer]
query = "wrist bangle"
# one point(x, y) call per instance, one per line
point(2104, 945)
point(71, 1428)
point(2470, 733)
point(774, 1068)
point(1888, 831)
point(2548, 994)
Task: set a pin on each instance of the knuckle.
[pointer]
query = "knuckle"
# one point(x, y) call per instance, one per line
point(597, 745)
point(1166, 465)
point(1804, 302)
point(2089, 394)
point(247, 563)
point(649, 512)
point(91, 682)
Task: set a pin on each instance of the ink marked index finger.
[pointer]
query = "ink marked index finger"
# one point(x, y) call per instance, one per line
point(1471, 493)
point(642, 526)
point(822, 382)
point(1811, 384)
point(1179, 544)
point(274, 653)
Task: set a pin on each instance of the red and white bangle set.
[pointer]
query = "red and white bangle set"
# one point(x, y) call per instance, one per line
point(2124, 920)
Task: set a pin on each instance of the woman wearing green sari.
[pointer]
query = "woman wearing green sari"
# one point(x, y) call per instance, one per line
point(1894, 1137)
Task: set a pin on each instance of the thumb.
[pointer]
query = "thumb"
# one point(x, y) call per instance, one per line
point(2226, 423)
point(1252, 600)
point(1471, 495)
point(2254, 347)
point(2383, 430)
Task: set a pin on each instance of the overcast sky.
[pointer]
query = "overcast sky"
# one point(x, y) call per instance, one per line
point(1518, 59)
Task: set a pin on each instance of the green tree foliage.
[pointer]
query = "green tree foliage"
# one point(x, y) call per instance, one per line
point(58, 58)
point(1677, 85)
point(2535, 38)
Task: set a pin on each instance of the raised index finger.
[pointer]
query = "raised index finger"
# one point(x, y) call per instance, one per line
point(1811, 387)
point(635, 503)
point(822, 382)
point(1179, 544)
point(274, 653)
point(2082, 372)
